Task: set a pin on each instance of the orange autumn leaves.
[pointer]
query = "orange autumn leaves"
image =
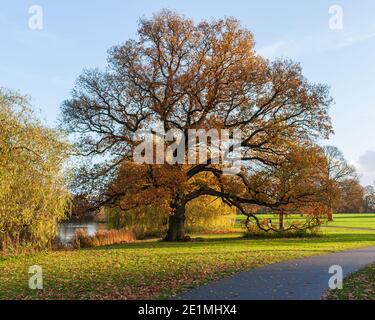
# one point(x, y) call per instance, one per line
point(186, 75)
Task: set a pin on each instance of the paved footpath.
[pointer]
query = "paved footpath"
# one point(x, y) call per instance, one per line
point(300, 279)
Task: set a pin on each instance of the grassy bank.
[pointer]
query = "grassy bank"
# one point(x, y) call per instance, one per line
point(153, 269)
point(358, 286)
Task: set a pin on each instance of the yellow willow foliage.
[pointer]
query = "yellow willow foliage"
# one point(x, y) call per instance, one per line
point(33, 194)
point(203, 214)
point(209, 213)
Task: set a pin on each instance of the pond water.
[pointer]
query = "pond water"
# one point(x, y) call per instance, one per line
point(67, 229)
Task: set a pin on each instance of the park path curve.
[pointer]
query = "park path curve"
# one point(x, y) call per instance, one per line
point(299, 279)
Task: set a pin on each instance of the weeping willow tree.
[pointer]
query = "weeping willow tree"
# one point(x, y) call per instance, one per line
point(33, 194)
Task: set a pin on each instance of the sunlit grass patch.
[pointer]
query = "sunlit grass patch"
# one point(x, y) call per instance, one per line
point(155, 269)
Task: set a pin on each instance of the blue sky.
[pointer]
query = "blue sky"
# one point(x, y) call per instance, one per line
point(76, 34)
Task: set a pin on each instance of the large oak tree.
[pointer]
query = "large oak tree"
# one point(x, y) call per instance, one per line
point(189, 76)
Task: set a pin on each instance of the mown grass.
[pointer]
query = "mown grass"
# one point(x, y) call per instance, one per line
point(353, 220)
point(158, 270)
point(358, 286)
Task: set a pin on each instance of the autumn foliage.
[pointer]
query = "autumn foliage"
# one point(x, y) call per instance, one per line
point(194, 76)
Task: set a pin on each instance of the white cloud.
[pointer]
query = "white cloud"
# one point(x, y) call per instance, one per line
point(366, 167)
point(367, 161)
point(279, 48)
point(289, 47)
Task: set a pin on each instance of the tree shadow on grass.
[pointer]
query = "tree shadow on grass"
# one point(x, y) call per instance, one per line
point(230, 240)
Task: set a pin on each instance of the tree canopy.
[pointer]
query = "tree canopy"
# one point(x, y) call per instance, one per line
point(184, 76)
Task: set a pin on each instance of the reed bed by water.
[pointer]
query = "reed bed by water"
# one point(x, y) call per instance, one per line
point(101, 238)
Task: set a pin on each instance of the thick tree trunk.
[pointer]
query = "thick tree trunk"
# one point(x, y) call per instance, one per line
point(176, 224)
point(281, 220)
point(330, 215)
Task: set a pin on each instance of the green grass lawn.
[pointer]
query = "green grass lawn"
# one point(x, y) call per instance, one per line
point(354, 220)
point(157, 270)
